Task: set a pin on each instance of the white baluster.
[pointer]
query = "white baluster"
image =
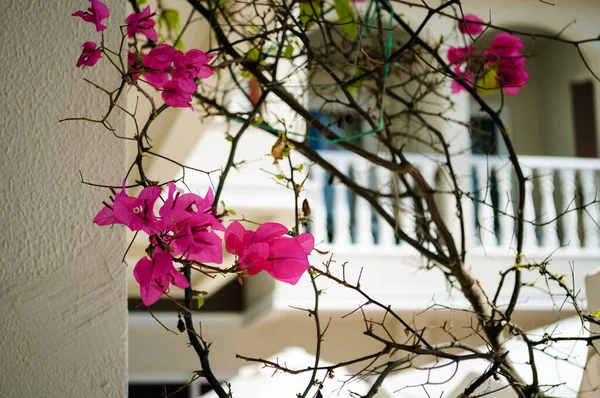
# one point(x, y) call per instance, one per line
point(485, 210)
point(341, 207)
point(569, 218)
point(316, 200)
point(590, 215)
point(505, 207)
point(364, 226)
point(548, 209)
point(407, 216)
point(386, 232)
point(472, 205)
point(428, 169)
point(529, 238)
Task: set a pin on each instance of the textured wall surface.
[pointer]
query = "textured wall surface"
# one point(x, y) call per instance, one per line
point(62, 287)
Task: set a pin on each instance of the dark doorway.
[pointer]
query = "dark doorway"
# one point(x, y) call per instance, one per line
point(584, 119)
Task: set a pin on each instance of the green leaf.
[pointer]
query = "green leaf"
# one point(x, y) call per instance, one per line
point(230, 139)
point(596, 314)
point(279, 176)
point(171, 17)
point(358, 72)
point(309, 12)
point(141, 2)
point(200, 301)
point(260, 119)
point(288, 51)
point(346, 18)
point(232, 212)
point(253, 54)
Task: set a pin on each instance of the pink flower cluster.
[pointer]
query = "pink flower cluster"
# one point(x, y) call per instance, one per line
point(501, 66)
point(270, 249)
point(185, 227)
point(162, 62)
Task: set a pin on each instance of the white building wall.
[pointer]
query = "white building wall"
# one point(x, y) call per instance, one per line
point(62, 299)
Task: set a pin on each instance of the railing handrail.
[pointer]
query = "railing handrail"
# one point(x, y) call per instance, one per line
point(535, 162)
point(527, 161)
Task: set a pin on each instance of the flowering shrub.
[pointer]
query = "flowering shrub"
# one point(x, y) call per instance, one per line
point(356, 49)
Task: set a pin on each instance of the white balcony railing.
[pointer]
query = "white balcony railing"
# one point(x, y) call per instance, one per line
point(561, 206)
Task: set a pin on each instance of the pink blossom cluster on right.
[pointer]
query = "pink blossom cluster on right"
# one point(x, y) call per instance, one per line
point(501, 66)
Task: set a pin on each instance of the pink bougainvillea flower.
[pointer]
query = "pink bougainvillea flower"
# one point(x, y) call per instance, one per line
point(193, 63)
point(504, 45)
point(511, 75)
point(471, 24)
point(287, 259)
point(106, 216)
point(189, 225)
point(501, 66)
point(160, 57)
point(89, 56)
point(136, 213)
point(156, 78)
point(459, 55)
point(193, 236)
point(157, 63)
point(155, 275)
point(505, 58)
point(143, 23)
point(178, 93)
point(95, 14)
point(186, 226)
point(270, 249)
point(189, 202)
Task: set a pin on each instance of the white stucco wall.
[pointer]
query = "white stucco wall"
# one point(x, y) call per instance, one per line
point(62, 294)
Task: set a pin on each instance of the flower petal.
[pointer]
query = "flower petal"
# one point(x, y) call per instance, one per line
point(471, 24)
point(178, 279)
point(269, 231)
point(235, 234)
point(153, 291)
point(306, 241)
point(143, 271)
